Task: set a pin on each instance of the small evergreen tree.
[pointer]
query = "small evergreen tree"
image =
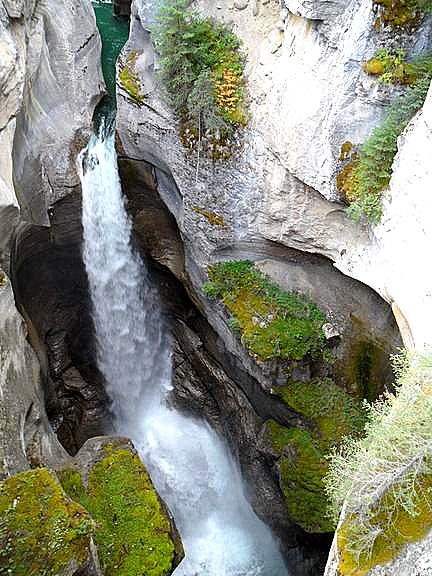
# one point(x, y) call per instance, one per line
point(195, 54)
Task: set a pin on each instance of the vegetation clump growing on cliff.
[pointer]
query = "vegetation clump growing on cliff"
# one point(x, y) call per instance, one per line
point(41, 530)
point(367, 173)
point(403, 13)
point(303, 462)
point(392, 67)
point(129, 80)
point(202, 69)
point(133, 532)
point(384, 480)
point(272, 323)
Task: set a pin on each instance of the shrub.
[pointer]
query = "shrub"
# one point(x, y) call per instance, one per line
point(392, 67)
point(384, 480)
point(273, 323)
point(369, 170)
point(202, 69)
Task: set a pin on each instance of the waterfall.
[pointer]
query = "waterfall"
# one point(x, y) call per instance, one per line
point(190, 465)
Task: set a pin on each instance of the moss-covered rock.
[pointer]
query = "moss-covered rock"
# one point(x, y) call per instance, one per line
point(42, 532)
point(303, 454)
point(134, 534)
point(273, 324)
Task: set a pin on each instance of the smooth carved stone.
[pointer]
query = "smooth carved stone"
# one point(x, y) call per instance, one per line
point(241, 4)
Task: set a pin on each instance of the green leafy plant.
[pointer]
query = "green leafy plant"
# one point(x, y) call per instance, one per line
point(273, 323)
point(391, 67)
point(384, 479)
point(202, 69)
point(367, 173)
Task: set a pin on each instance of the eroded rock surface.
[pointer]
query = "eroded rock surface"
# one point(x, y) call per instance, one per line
point(309, 95)
point(26, 438)
point(50, 83)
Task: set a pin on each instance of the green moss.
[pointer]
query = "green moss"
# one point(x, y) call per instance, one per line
point(301, 477)
point(335, 413)
point(273, 323)
point(134, 533)
point(396, 525)
point(129, 79)
point(303, 462)
point(213, 218)
point(365, 370)
point(3, 279)
point(41, 530)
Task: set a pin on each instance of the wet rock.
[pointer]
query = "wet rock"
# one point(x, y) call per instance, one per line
point(51, 288)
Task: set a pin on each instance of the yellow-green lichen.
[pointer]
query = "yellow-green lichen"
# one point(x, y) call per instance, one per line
point(272, 323)
point(129, 79)
point(213, 218)
point(41, 530)
point(395, 525)
point(133, 533)
point(303, 454)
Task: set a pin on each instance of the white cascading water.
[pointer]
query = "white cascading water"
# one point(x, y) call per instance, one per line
point(190, 466)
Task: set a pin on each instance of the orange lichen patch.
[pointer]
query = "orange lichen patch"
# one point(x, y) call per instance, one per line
point(211, 217)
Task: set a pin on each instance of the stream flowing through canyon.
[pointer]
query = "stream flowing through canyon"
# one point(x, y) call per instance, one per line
point(191, 467)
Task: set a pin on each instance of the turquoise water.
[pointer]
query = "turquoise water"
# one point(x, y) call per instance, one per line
point(114, 31)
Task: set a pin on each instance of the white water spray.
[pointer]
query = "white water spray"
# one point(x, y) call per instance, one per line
point(191, 467)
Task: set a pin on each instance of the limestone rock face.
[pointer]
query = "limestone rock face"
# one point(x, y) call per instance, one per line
point(50, 82)
point(308, 95)
point(394, 262)
point(26, 438)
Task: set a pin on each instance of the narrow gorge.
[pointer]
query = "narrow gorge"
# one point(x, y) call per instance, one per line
point(214, 291)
